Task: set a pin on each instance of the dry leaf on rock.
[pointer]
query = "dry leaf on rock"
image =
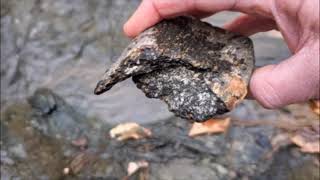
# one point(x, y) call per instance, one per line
point(129, 130)
point(309, 147)
point(279, 140)
point(210, 126)
point(308, 139)
point(315, 106)
point(77, 164)
point(133, 167)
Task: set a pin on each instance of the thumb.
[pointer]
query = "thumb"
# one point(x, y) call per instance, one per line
point(293, 80)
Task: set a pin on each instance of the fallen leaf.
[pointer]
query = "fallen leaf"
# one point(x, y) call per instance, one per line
point(77, 164)
point(129, 130)
point(210, 126)
point(280, 140)
point(310, 147)
point(133, 167)
point(308, 139)
point(315, 106)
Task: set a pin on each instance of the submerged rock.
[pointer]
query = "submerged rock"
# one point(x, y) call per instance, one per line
point(199, 70)
point(31, 147)
point(54, 117)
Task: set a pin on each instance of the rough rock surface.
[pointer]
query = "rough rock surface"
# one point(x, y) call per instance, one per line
point(197, 69)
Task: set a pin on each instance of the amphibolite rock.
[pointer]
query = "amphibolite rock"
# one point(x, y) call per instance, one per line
point(199, 70)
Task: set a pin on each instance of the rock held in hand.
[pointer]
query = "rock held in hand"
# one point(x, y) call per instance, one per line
point(199, 70)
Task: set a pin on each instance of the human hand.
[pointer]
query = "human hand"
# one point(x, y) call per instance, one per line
point(295, 79)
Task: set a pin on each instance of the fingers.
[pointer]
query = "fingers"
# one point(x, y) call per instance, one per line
point(152, 11)
point(294, 80)
point(248, 25)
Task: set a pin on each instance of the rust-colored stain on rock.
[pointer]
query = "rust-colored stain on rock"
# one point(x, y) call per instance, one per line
point(200, 71)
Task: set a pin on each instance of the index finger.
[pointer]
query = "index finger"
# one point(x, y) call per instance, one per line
point(151, 12)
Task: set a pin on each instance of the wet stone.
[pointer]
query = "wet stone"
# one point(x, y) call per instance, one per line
point(199, 70)
point(54, 117)
point(31, 149)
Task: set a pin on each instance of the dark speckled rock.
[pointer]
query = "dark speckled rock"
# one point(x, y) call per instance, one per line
point(199, 70)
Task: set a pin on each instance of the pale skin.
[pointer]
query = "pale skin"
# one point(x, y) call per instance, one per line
point(294, 80)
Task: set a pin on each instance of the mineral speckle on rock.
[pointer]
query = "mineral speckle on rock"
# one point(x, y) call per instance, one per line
point(199, 70)
point(185, 92)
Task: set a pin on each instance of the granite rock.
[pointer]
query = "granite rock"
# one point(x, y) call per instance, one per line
point(199, 70)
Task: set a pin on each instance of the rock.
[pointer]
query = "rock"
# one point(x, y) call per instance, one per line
point(54, 117)
point(5, 159)
point(239, 153)
point(184, 169)
point(19, 151)
point(26, 153)
point(199, 70)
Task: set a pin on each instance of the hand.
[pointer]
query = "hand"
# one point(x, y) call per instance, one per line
point(295, 79)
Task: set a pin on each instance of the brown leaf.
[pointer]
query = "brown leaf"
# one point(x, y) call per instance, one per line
point(210, 126)
point(133, 167)
point(129, 130)
point(310, 147)
point(315, 106)
point(280, 140)
point(77, 163)
point(308, 139)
